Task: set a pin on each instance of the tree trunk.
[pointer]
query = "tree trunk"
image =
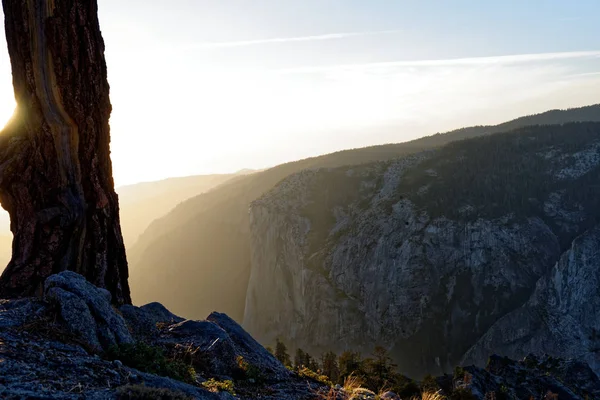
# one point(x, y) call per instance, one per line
point(55, 168)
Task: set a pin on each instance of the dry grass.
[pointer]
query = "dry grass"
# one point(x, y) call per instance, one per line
point(352, 382)
point(351, 385)
point(430, 396)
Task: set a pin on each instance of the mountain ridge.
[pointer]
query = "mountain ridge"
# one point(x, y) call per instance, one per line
point(206, 239)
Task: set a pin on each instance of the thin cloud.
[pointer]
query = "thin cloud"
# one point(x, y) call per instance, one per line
point(258, 42)
point(501, 60)
point(585, 74)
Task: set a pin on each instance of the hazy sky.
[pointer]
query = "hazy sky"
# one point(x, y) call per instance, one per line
point(205, 86)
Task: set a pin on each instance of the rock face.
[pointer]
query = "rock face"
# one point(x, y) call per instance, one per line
point(143, 321)
point(249, 348)
point(218, 346)
point(424, 254)
point(86, 310)
point(56, 349)
point(37, 363)
point(210, 347)
point(562, 316)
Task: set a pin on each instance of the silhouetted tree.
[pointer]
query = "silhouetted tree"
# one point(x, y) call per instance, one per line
point(312, 363)
point(281, 353)
point(350, 363)
point(299, 358)
point(55, 168)
point(381, 369)
point(330, 367)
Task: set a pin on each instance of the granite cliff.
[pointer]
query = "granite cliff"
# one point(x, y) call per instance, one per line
point(562, 315)
point(424, 254)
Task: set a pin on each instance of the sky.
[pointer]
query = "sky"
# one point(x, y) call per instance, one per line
point(215, 86)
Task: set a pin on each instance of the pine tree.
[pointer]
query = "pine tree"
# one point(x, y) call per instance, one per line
point(350, 363)
point(313, 364)
point(299, 359)
point(281, 353)
point(329, 362)
point(381, 369)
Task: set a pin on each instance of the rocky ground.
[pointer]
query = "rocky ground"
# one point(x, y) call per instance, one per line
point(73, 344)
point(61, 348)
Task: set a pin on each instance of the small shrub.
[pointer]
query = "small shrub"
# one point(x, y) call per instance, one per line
point(152, 360)
point(309, 373)
point(141, 392)
point(193, 356)
point(214, 385)
point(251, 371)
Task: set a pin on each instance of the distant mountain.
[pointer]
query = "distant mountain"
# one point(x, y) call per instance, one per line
point(197, 258)
point(141, 203)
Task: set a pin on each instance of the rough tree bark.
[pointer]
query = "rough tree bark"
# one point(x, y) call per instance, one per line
point(55, 168)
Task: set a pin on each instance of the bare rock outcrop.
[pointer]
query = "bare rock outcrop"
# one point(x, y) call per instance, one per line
point(45, 360)
point(68, 346)
point(144, 321)
point(86, 310)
